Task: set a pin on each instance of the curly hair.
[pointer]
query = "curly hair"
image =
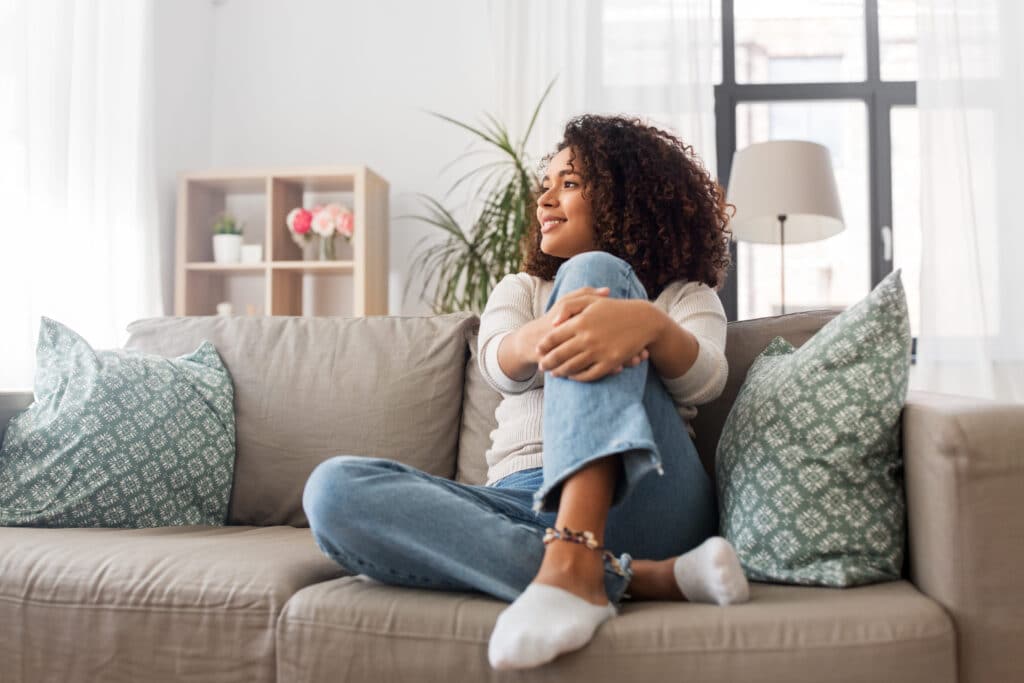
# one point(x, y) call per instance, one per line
point(653, 202)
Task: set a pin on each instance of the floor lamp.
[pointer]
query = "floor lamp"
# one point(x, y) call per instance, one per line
point(784, 191)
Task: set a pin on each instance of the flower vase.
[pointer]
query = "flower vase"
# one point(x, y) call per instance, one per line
point(327, 248)
point(310, 249)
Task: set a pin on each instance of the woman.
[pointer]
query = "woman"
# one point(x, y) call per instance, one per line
point(601, 348)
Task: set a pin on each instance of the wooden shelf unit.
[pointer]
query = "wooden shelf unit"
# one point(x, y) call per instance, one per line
point(200, 283)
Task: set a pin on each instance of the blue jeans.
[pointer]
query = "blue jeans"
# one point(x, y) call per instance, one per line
point(402, 526)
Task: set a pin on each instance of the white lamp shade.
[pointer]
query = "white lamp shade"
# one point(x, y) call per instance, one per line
point(784, 177)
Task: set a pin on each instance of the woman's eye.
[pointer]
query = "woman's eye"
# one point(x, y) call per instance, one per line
point(567, 182)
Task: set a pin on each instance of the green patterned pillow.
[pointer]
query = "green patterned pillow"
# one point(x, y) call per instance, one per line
point(808, 469)
point(119, 438)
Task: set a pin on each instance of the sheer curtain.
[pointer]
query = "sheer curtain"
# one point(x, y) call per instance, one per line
point(970, 96)
point(650, 58)
point(78, 223)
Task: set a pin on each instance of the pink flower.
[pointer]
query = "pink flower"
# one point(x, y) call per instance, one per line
point(335, 210)
point(323, 222)
point(346, 224)
point(301, 222)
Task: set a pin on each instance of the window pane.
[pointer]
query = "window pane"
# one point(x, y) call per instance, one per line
point(897, 38)
point(640, 37)
point(799, 41)
point(906, 211)
point(831, 273)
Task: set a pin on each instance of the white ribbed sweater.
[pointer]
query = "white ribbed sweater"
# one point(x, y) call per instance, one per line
point(517, 442)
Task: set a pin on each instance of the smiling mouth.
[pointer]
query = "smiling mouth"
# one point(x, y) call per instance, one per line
point(550, 225)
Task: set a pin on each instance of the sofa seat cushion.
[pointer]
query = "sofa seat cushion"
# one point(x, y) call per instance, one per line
point(373, 631)
point(155, 604)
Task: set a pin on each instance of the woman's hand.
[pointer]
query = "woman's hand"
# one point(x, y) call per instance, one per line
point(567, 306)
point(592, 336)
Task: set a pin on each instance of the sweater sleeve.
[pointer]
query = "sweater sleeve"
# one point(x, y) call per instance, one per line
point(509, 307)
point(699, 310)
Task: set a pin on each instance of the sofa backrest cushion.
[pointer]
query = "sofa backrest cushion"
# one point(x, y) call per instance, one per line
point(309, 388)
point(745, 339)
point(479, 403)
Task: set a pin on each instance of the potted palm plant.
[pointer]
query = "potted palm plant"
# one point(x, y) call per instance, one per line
point(470, 262)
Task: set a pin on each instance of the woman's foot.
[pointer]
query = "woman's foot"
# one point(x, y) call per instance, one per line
point(569, 591)
point(711, 572)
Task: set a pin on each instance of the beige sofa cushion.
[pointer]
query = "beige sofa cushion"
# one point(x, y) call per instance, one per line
point(745, 339)
point(307, 389)
point(160, 604)
point(373, 631)
point(479, 401)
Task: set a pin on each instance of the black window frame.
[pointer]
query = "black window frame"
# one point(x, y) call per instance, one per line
point(879, 98)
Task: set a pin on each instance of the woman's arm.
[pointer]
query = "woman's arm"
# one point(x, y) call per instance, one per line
point(699, 374)
point(601, 338)
point(518, 354)
point(515, 352)
point(686, 344)
point(674, 348)
point(509, 308)
point(508, 334)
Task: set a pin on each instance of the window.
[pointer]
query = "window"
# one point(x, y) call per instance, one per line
point(841, 73)
point(823, 38)
point(830, 273)
point(906, 194)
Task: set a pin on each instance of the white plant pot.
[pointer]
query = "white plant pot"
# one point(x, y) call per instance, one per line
point(227, 248)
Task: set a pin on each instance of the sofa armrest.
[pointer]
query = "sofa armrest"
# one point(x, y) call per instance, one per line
point(12, 403)
point(964, 473)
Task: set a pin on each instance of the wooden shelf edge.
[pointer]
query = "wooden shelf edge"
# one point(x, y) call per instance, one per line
point(288, 173)
point(210, 266)
point(314, 266)
point(307, 266)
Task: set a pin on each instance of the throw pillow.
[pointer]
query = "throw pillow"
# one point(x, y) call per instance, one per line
point(119, 438)
point(808, 469)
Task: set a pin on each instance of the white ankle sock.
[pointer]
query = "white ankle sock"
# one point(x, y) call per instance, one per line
point(542, 623)
point(711, 572)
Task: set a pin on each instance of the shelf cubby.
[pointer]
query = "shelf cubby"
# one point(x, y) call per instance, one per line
point(263, 199)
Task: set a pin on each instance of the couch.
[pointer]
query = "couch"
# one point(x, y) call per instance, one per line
point(255, 600)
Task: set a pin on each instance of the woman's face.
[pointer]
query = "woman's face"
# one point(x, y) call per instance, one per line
point(566, 222)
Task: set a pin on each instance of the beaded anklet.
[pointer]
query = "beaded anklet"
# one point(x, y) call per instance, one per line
point(586, 538)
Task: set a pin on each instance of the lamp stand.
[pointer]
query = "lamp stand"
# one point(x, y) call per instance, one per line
point(782, 255)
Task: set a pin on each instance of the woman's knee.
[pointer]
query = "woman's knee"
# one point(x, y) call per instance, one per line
point(330, 486)
point(596, 269)
point(593, 262)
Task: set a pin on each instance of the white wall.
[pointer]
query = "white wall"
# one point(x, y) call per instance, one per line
point(183, 47)
point(320, 82)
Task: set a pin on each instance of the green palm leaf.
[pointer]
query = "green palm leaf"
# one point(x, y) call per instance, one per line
point(466, 265)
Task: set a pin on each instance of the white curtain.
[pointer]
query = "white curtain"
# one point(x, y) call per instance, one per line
point(654, 59)
point(970, 97)
point(78, 215)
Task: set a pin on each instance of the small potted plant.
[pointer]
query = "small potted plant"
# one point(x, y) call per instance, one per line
point(227, 239)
